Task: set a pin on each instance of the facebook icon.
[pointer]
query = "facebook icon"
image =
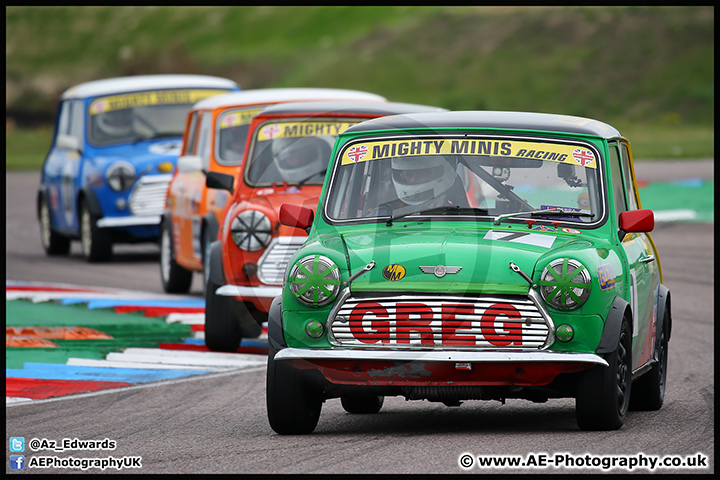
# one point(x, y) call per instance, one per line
point(17, 462)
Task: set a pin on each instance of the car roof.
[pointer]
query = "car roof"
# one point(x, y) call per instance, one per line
point(339, 107)
point(136, 83)
point(276, 95)
point(491, 120)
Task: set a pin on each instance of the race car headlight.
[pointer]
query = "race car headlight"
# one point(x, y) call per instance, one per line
point(315, 280)
point(120, 176)
point(251, 230)
point(565, 284)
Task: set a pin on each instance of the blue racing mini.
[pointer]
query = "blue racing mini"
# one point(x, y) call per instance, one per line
point(116, 144)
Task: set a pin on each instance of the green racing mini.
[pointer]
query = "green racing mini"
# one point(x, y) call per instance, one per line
point(472, 256)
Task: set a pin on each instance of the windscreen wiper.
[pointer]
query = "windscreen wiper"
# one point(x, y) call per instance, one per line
point(456, 210)
point(552, 212)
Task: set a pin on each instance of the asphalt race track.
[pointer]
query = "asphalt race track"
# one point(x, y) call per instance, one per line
point(216, 423)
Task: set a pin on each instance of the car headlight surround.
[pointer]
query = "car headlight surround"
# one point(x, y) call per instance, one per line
point(315, 280)
point(121, 176)
point(251, 230)
point(565, 284)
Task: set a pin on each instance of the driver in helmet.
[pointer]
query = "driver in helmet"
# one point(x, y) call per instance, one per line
point(233, 143)
point(299, 158)
point(115, 124)
point(426, 182)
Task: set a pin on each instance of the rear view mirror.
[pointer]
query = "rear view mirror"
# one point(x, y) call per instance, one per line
point(296, 216)
point(636, 221)
point(222, 181)
point(189, 163)
point(66, 142)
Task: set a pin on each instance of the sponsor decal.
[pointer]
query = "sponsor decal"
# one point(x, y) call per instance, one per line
point(357, 153)
point(394, 272)
point(569, 230)
point(583, 156)
point(235, 118)
point(536, 239)
point(302, 129)
point(440, 270)
point(606, 277)
point(500, 324)
point(143, 99)
point(493, 148)
point(567, 209)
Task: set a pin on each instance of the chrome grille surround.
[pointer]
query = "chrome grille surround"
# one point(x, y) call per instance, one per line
point(433, 316)
point(273, 263)
point(149, 194)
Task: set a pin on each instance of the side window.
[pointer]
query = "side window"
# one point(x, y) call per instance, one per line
point(627, 177)
point(77, 119)
point(616, 181)
point(192, 133)
point(203, 141)
point(64, 120)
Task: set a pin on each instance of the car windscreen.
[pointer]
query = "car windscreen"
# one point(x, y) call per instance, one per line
point(232, 131)
point(133, 117)
point(292, 151)
point(465, 177)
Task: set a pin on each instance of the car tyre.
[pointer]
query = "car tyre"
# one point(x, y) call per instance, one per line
point(53, 243)
point(175, 279)
point(362, 403)
point(603, 397)
point(648, 392)
point(222, 325)
point(96, 242)
point(293, 405)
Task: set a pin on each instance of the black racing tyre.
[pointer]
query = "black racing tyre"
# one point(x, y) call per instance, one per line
point(648, 392)
point(175, 279)
point(96, 242)
point(53, 243)
point(362, 403)
point(293, 404)
point(222, 325)
point(603, 394)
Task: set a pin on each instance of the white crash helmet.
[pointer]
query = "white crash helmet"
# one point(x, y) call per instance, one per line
point(116, 123)
point(434, 175)
point(298, 158)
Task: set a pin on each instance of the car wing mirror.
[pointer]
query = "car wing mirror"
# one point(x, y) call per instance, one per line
point(67, 142)
point(636, 221)
point(189, 163)
point(296, 216)
point(222, 181)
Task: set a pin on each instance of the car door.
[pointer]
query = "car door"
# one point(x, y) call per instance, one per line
point(61, 171)
point(641, 265)
point(185, 190)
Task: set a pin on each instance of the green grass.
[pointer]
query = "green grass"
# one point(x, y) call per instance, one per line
point(26, 149)
point(648, 71)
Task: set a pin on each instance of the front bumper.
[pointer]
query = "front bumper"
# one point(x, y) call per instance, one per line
point(237, 291)
point(438, 368)
point(131, 221)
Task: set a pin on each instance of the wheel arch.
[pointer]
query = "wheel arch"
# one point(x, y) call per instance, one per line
point(664, 305)
point(619, 310)
point(216, 268)
point(276, 337)
point(86, 193)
